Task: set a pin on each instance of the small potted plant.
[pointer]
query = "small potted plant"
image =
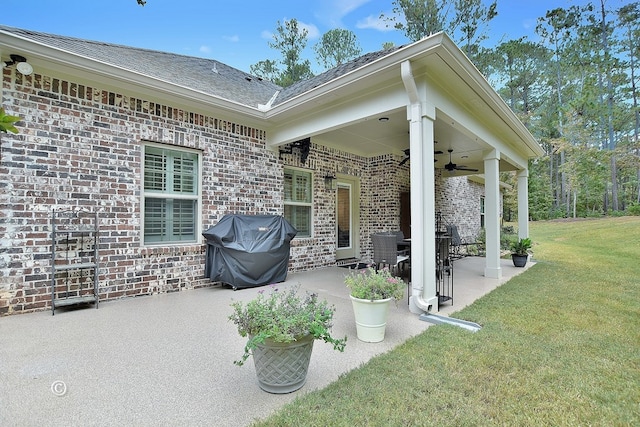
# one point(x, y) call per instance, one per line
point(520, 251)
point(282, 326)
point(7, 122)
point(371, 293)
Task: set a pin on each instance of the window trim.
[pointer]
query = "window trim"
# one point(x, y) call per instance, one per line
point(309, 204)
point(156, 194)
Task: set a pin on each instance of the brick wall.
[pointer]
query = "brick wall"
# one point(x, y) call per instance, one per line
point(319, 250)
point(458, 199)
point(80, 147)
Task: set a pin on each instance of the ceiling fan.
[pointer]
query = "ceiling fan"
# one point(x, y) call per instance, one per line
point(407, 156)
point(453, 167)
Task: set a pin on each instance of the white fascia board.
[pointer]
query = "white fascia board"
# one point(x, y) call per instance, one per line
point(459, 117)
point(470, 74)
point(74, 64)
point(472, 127)
point(448, 52)
point(334, 116)
point(371, 71)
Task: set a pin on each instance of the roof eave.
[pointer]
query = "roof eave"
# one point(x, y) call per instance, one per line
point(366, 71)
point(491, 97)
point(73, 63)
point(440, 44)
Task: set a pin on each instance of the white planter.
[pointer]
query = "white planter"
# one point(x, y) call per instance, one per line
point(371, 318)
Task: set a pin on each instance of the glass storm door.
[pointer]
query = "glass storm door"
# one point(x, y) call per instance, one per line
point(346, 219)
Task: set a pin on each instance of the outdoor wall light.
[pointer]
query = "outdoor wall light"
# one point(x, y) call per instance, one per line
point(22, 65)
point(330, 182)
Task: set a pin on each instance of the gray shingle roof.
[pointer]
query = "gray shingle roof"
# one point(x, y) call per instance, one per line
point(204, 75)
point(301, 87)
point(195, 73)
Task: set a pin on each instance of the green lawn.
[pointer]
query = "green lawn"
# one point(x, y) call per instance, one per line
point(560, 345)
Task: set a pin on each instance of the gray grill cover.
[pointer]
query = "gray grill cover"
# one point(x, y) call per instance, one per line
point(246, 251)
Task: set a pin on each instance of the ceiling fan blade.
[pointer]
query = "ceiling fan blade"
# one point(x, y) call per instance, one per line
point(438, 152)
point(405, 160)
point(460, 168)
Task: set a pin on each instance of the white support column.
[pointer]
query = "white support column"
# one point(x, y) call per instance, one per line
point(492, 214)
point(426, 258)
point(423, 257)
point(523, 203)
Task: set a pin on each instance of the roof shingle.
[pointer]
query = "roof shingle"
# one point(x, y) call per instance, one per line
point(203, 75)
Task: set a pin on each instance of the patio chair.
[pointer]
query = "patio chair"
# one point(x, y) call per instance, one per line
point(459, 248)
point(385, 251)
point(403, 246)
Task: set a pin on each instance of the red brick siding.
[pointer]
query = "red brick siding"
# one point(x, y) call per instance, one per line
point(80, 147)
point(458, 199)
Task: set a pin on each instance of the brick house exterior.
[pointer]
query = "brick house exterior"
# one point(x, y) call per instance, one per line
point(81, 146)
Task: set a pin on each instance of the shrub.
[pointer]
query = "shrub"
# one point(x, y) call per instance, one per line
point(283, 316)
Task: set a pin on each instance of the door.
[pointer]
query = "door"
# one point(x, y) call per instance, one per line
point(405, 214)
point(347, 218)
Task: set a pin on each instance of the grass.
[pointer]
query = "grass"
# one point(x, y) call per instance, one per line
point(560, 346)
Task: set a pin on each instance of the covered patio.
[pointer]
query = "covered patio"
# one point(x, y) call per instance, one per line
point(428, 103)
point(167, 359)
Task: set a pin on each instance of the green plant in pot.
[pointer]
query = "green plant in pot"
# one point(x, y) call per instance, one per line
point(520, 251)
point(7, 122)
point(282, 325)
point(371, 293)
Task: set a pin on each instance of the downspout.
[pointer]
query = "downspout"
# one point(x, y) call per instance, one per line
point(414, 115)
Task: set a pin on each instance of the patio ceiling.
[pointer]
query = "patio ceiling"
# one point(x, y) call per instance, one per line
point(377, 136)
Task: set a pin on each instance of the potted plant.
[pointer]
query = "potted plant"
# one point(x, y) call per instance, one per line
point(371, 293)
point(7, 122)
point(520, 251)
point(282, 326)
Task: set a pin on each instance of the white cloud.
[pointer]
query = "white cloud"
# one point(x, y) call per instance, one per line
point(332, 12)
point(232, 39)
point(374, 23)
point(205, 49)
point(312, 31)
point(267, 35)
point(529, 23)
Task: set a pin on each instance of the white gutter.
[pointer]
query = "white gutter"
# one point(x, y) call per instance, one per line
point(67, 61)
point(267, 106)
point(414, 113)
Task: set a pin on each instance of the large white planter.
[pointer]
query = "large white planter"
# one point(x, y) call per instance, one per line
point(371, 318)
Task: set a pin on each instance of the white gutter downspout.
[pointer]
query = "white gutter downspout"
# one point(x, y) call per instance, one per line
point(423, 264)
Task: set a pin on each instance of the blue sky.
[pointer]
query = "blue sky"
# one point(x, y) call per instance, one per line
point(237, 32)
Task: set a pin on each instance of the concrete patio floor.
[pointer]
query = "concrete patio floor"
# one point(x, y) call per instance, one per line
point(168, 359)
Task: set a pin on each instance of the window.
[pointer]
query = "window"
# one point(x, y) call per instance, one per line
point(297, 200)
point(482, 212)
point(170, 194)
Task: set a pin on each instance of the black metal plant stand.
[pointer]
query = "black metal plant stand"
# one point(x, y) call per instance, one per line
point(444, 263)
point(74, 258)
